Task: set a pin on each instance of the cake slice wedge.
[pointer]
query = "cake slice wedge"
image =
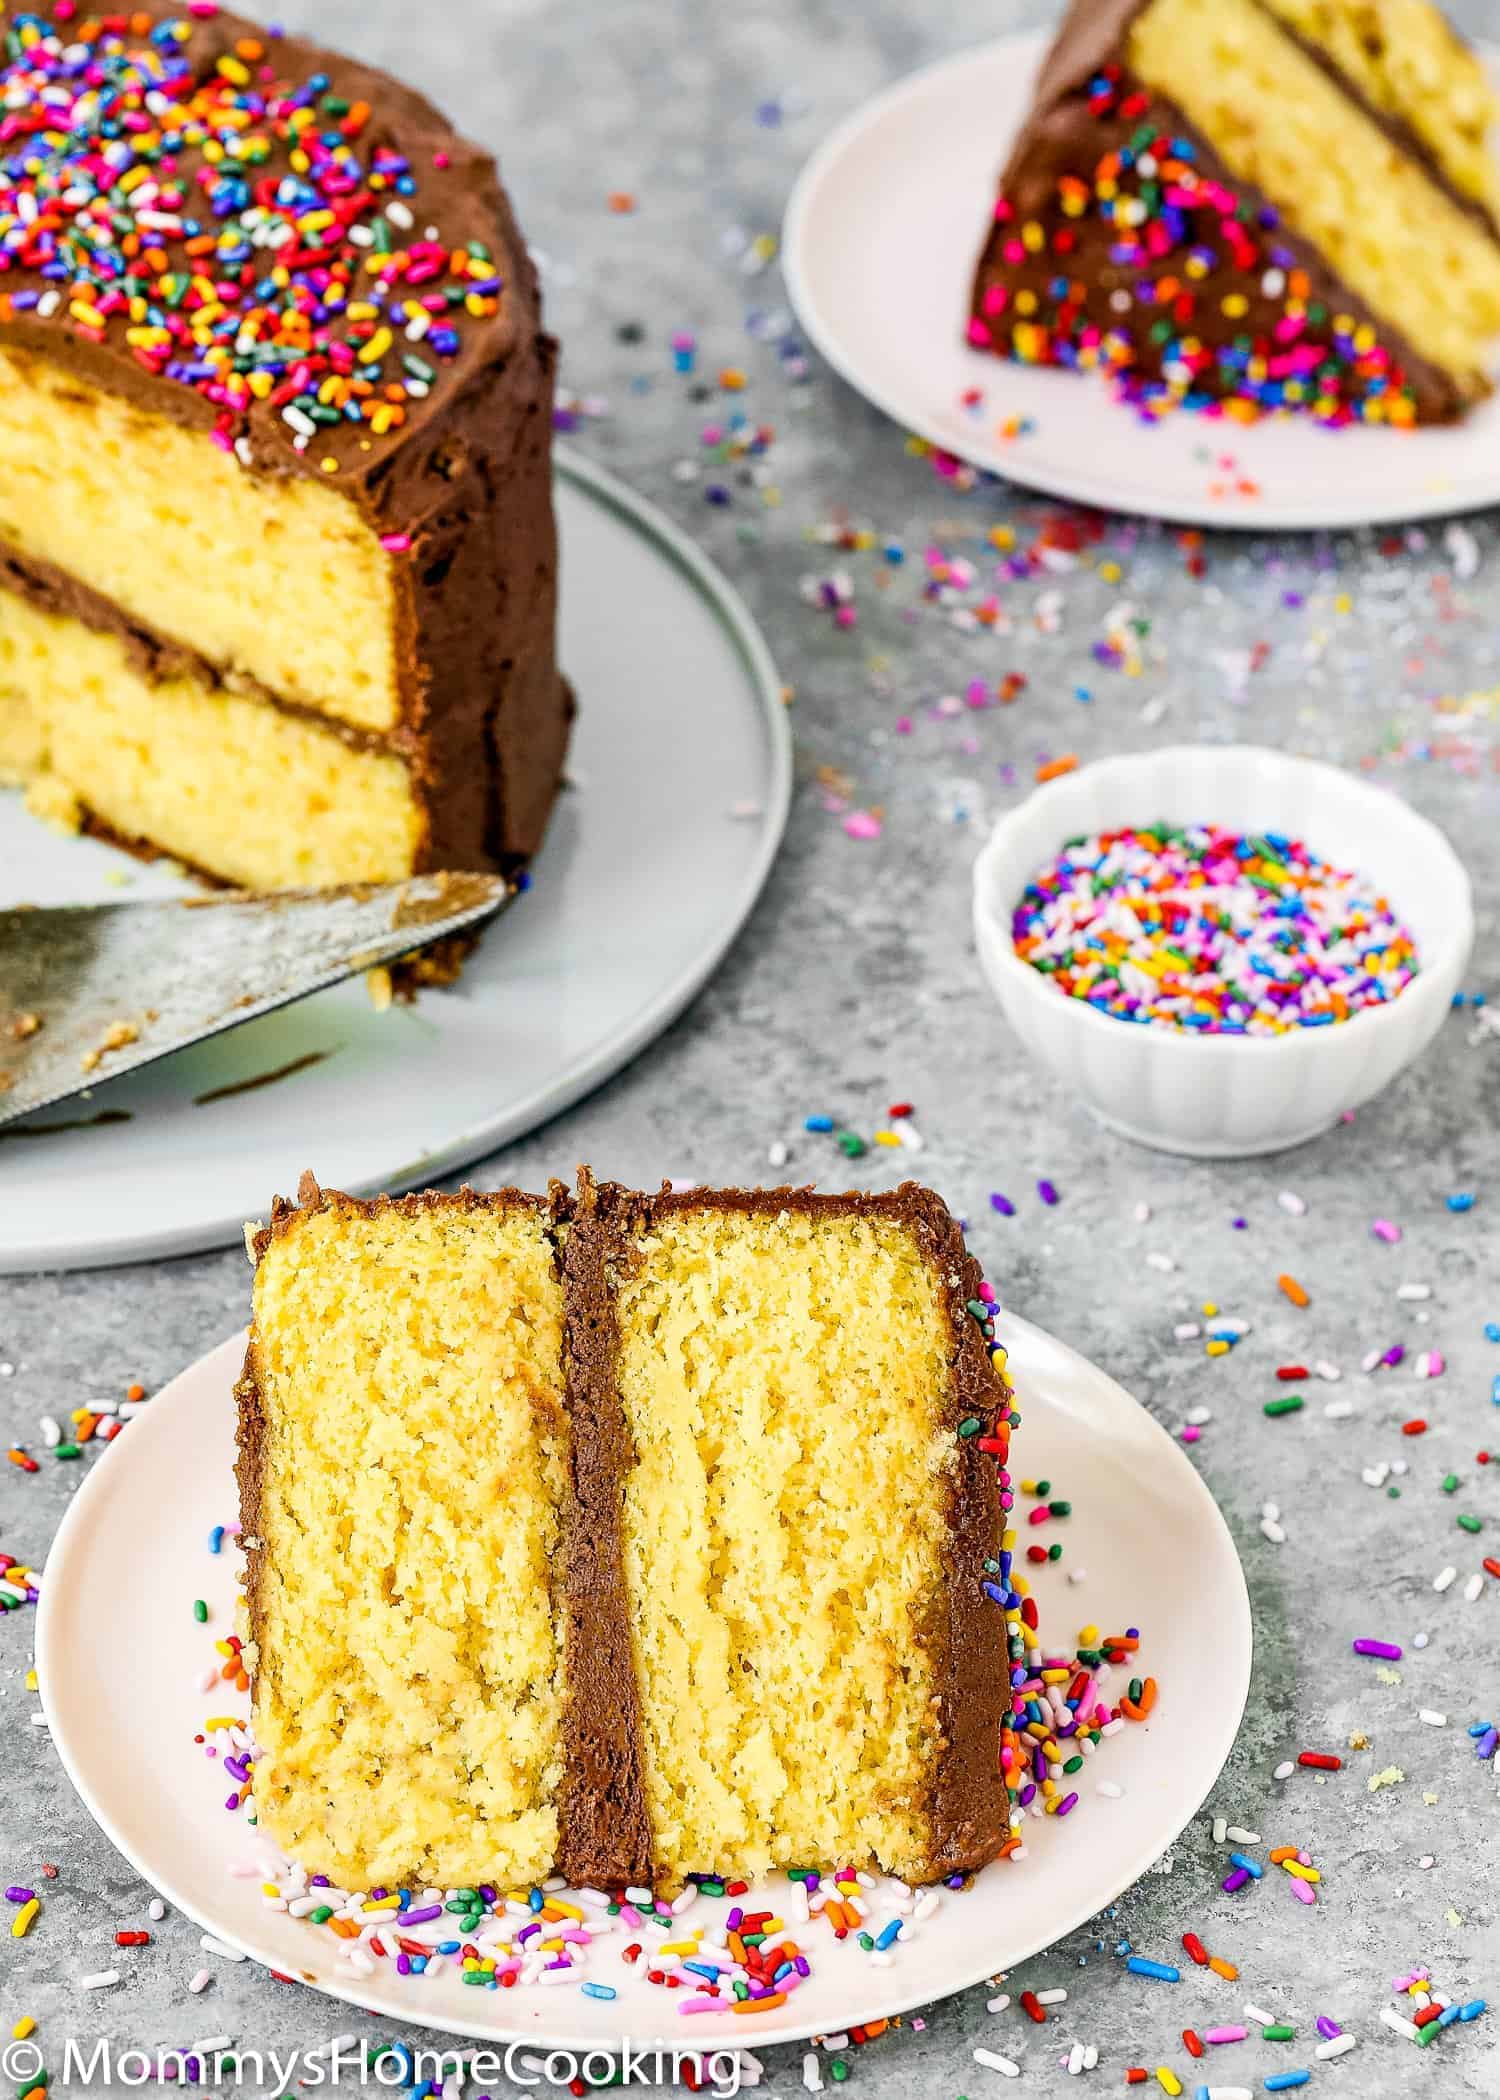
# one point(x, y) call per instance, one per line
point(1249, 206)
point(630, 1536)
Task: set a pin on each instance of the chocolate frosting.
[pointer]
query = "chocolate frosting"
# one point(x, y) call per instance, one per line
point(1065, 134)
point(484, 714)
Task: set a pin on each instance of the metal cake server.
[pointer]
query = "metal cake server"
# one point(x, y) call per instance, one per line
point(89, 992)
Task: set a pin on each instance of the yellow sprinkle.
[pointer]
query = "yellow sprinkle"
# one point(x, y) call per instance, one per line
point(886, 1137)
point(1295, 1867)
point(21, 1923)
point(373, 1910)
point(269, 1888)
point(1168, 2080)
point(1209, 1308)
point(678, 1947)
point(1216, 1349)
point(24, 2026)
point(329, 465)
point(1089, 1637)
point(31, 1680)
point(221, 1721)
point(556, 1908)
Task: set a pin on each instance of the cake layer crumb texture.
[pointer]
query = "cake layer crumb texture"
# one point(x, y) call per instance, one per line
point(1254, 205)
point(275, 401)
point(160, 762)
point(404, 1456)
point(650, 1517)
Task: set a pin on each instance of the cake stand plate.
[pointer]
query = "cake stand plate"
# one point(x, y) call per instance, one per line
point(880, 242)
point(681, 776)
point(120, 1663)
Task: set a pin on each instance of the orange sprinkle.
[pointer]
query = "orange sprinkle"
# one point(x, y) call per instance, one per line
point(1056, 767)
point(759, 2005)
point(621, 201)
point(1283, 1852)
point(135, 1392)
point(1293, 1290)
point(1226, 1969)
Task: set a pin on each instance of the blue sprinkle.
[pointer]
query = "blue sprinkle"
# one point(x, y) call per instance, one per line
point(891, 1933)
point(1472, 2010)
point(1243, 1859)
point(1283, 2081)
point(1492, 1330)
point(818, 1123)
point(1448, 2015)
point(216, 1539)
point(1462, 1200)
point(1161, 1970)
point(599, 1990)
point(1495, 1391)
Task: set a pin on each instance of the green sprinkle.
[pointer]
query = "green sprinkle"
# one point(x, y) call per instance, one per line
point(1450, 1483)
point(970, 1426)
point(322, 1914)
point(68, 1451)
point(850, 1144)
point(1054, 1552)
point(1060, 1509)
point(866, 1941)
point(1287, 1404)
point(1470, 1524)
point(200, 1611)
point(838, 2070)
point(1279, 2033)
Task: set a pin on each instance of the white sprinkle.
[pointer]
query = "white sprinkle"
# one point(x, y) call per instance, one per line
point(1197, 1416)
point(1392, 2019)
point(1433, 1720)
point(156, 1910)
point(101, 1980)
point(51, 1432)
point(1003, 2064)
point(1376, 1476)
point(1187, 1331)
point(1271, 1510)
point(1284, 1771)
point(1058, 1997)
point(1109, 1790)
point(1292, 1204)
point(1264, 2019)
point(812, 2077)
point(1078, 1575)
point(1329, 1371)
point(1414, 1293)
point(1419, 1640)
point(998, 2005)
point(1445, 1580)
point(1239, 1835)
point(212, 1946)
point(880, 1959)
point(1143, 1214)
point(200, 1982)
point(1091, 2056)
point(216, 2043)
point(1221, 1830)
point(1270, 1529)
point(1164, 1262)
point(39, 1720)
point(1473, 1588)
point(1075, 2059)
point(1339, 1410)
point(685, 1901)
point(1339, 2046)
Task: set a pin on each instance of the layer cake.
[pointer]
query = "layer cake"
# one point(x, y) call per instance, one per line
point(631, 1536)
point(277, 555)
point(1254, 205)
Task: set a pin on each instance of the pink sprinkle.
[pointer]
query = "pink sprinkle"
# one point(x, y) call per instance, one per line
point(862, 824)
point(203, 10)
point(1190, 1432)
point(1302, 1890)
point(1383, 1229)
point(396, 542)
point(1225, 2034)
point(904, 725)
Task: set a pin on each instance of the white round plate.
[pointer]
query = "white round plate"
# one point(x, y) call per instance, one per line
point(646, 877)
point(118, 1664)
point(880, 242)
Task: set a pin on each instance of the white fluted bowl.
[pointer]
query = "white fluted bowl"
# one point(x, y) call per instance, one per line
point(1228, 1096)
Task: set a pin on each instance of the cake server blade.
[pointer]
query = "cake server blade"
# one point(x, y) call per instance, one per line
point(90, 992)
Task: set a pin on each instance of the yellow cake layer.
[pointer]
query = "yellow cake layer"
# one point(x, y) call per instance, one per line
point(1277, 121)
point(408, 1686)
point(1406, 61)
point(783, 1380)
point(259, 797)
point(280, 580)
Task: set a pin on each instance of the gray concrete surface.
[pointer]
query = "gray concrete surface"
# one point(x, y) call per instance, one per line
point(855, 986)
